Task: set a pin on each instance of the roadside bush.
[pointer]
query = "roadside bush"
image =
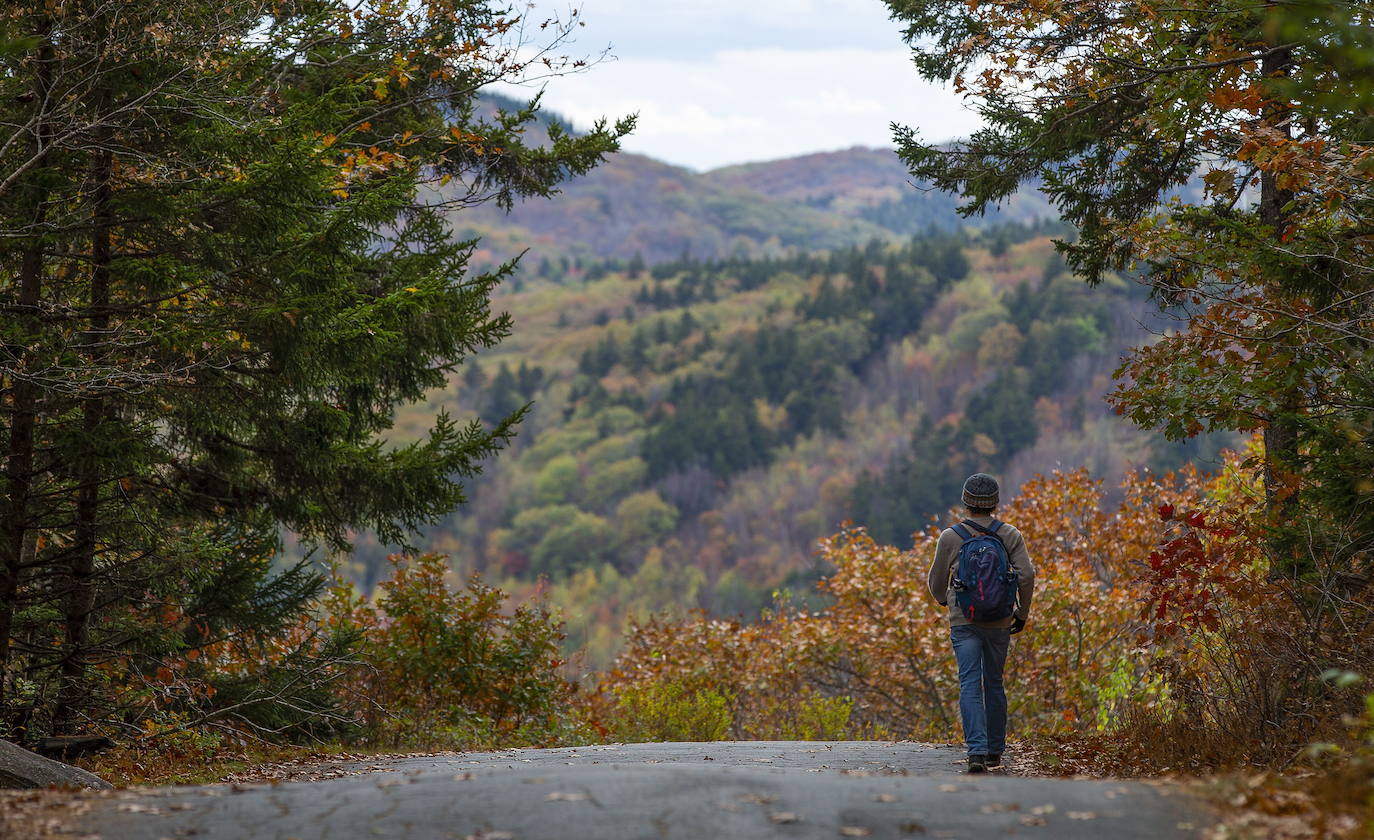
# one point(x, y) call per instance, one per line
point(671, 712)
point(446, 667)
point(813, 718)
point(1243, 646)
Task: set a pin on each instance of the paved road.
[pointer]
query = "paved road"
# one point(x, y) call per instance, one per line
point(698, 791)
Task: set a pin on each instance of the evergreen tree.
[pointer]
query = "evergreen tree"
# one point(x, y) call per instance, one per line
point(636, 353)
point(228, 269)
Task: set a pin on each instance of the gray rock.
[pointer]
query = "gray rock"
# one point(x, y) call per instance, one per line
point(20, 768)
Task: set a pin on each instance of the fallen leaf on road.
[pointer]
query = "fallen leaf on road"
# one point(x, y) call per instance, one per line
point(948, 788)
point(490, 835)
point(854, 831)
point(999, 807)
point(884, 797)
point(1040, 810)
point(463, 777)
point(707, 758)
point(562, 796)
point(1082, 815)
point(912, 827)
point(783, 817)
point(1032, 820)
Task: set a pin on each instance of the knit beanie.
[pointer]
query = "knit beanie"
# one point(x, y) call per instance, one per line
point(980, 491)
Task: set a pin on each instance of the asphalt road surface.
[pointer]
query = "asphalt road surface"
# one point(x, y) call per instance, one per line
point(698, 791)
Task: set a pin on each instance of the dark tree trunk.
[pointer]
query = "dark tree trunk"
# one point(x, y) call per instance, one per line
point(23, 394)
point(72, 693)
point(1280, 434)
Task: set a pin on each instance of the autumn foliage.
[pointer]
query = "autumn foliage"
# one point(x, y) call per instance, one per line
point(1159, 636)
point(881, 649)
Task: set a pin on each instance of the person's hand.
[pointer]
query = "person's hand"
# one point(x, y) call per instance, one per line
point(1017, 625)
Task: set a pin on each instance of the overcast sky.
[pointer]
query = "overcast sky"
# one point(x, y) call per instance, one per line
point(717, 82)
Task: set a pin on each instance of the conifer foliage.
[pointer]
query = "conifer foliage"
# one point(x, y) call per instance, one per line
point(225, 263)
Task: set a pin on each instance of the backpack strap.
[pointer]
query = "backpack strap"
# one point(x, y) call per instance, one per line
point(964, 533)
point(990, 531)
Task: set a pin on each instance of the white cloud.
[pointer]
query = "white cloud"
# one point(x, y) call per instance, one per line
point(762, 103)
point(692, 28)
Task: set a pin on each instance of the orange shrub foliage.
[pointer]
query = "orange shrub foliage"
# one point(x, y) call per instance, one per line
point(884, 644)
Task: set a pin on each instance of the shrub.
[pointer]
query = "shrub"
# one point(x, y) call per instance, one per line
point(1243, 649)
point(447, 667)
point(671, 712)
point(814, 717)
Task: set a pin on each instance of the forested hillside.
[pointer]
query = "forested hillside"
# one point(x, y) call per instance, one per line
point(695, 427)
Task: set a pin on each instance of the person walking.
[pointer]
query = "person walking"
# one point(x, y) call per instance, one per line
point(983, 573)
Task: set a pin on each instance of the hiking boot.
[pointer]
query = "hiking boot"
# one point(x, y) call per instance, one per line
point(994, 760)
point(978, 764)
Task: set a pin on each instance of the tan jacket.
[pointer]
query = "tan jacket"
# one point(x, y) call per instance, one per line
point(947, 556)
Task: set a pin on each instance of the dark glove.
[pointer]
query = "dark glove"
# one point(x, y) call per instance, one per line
point(1017, 625)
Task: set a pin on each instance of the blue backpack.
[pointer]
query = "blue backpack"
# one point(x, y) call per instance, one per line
point(984, 581)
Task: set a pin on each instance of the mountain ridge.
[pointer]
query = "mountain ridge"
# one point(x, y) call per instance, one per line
point(636, 207)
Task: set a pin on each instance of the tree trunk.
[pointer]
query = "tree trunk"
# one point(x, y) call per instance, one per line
point(23, 394)
point(14, 521)
point(90, 478)
point(1280, 434)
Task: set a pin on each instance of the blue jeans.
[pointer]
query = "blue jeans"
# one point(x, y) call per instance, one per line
point(981, 653)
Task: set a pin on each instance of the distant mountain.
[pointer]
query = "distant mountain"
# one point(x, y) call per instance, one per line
point(871, 185)
point(854, 177)
point(634, 205)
